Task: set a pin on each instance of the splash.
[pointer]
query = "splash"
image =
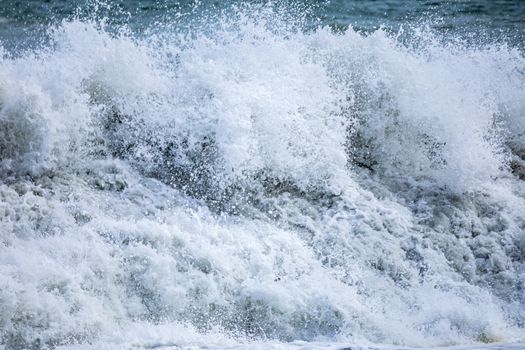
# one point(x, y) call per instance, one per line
point(253, 180)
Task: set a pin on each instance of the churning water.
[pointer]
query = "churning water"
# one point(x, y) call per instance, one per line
point(264, 174)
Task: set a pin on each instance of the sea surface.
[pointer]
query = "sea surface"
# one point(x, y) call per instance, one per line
point(262, 174)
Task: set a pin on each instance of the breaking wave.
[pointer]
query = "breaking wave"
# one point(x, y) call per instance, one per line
point(261, 181)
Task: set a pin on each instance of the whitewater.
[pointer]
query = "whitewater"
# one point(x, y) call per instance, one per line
point(255, 184)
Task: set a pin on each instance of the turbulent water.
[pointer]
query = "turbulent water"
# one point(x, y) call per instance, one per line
point(278, 175)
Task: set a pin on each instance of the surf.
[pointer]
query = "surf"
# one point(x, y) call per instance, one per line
point(260, 180)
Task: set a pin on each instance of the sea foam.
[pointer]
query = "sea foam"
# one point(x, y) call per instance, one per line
point(255, 181)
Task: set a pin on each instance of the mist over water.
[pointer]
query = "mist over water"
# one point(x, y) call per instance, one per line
point(259, 173)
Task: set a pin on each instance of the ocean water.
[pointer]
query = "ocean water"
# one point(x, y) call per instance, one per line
point(262, 175)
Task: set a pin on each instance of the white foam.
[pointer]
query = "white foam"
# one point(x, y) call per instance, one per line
point(119, 155)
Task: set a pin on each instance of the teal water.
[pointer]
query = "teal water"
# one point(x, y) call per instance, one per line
point(479, 20)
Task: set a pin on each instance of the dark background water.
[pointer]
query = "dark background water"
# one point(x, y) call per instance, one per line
point(21, 21)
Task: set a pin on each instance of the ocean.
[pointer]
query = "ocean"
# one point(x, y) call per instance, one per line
point(262, 174)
